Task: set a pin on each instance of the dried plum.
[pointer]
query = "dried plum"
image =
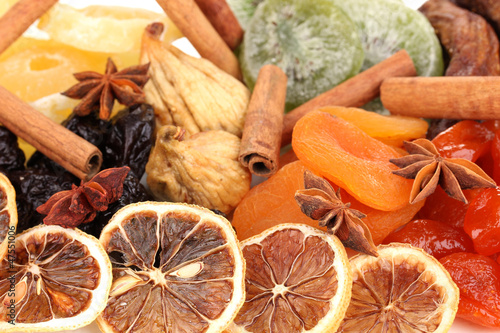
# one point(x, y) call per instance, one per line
point(11, 156)
point(133, 192)
point(90, 127)
point(130, 139)
point(33, 188)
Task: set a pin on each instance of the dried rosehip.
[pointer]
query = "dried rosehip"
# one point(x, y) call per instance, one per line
point(130, 139)
point(11, 156)
point(478, 278)
point(482, 221)
point(436, 238)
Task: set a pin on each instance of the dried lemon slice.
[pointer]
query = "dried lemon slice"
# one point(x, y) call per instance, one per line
point(404, 289)
point(297, 280)
point(8, 214)
point(59, 279)
point(176, 268)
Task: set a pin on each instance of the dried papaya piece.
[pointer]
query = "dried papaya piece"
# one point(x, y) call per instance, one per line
point(342, 153)
point(391, 130)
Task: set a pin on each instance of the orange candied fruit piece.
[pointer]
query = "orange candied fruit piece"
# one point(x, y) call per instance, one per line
point(391, 130)
point(342, 153)
point(272, 202)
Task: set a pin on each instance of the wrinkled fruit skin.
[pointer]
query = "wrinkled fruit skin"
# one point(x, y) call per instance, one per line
point(33, 188)
point(436, 238)
point(133, 192)
point(130, 139)
point(478, 278)
point(482, 221)
point(88, 127)
point(11, 156)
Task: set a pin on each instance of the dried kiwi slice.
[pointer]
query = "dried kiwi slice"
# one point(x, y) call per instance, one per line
point(387, 26)
point(316, 45)
point(244, 10)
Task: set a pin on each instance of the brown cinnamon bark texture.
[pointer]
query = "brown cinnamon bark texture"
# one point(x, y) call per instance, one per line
point(190, 20)
point(470, 41)
point(355, 92)
point(19, 18)
point(223, 20)
point(64, 147)
point(452, 97)
point(261, 141)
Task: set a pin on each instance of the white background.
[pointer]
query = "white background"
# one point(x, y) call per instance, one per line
point(459, 325)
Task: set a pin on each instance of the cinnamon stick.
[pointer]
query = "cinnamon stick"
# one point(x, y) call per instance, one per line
point(72, 152)
point(190, 20)
point(261, 141)
point(223, 20)
point(355, 92)
point(452, 97)
point(19, 18)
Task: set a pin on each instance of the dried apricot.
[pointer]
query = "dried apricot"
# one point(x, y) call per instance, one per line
point(478, 278)
point(436, 238)
point(272, 202)
point(342, 153)
point(391, 130)
point(482, 221)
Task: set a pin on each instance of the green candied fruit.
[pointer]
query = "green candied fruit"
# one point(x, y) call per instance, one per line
point(387, 26)
point(314, 43)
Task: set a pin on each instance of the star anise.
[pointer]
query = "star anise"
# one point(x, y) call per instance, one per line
point(81, 204)
point(429, 168)
point(320, 202)
point(99, 91)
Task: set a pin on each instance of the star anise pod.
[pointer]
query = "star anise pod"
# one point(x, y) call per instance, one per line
point(320, 202)
point(81, 204)
point(99, 91)
point(429, 168)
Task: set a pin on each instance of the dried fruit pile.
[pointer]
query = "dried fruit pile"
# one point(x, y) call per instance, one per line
point(184, 243)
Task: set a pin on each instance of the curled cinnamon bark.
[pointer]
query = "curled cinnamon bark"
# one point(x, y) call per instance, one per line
point(469, 40)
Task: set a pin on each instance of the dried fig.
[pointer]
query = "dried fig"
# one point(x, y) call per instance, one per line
point(202, 169)
point(189, 92)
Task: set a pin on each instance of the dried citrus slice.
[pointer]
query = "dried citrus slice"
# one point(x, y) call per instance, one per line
point(176, 268)
point(59, 279)
point(8, 214)
point(404, 289)
point(297, 280)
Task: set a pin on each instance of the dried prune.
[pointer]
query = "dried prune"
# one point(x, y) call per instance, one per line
point(130, 139)
point(90, 127)
point(133, 192)
point(33, 188)
point(11, 156)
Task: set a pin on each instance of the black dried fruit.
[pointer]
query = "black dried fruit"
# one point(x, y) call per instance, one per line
point(90, 127)
point(133, 192)
point(11, 156)
point(130, 139)
point(33, 188)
